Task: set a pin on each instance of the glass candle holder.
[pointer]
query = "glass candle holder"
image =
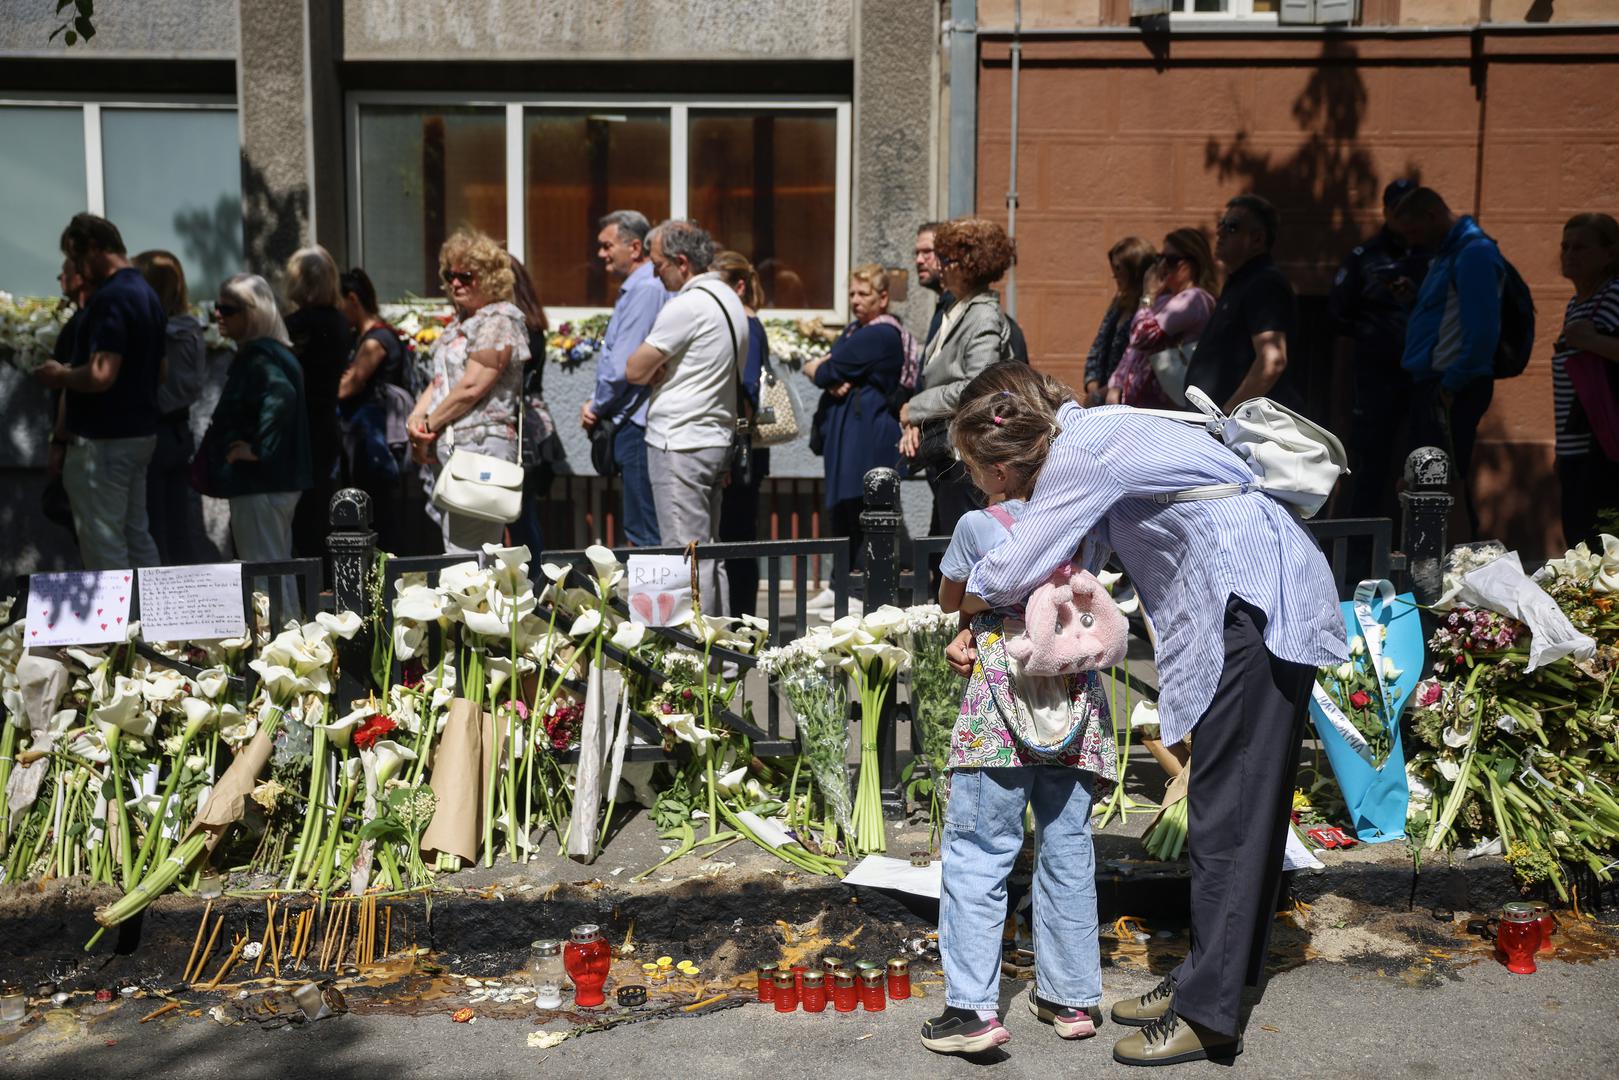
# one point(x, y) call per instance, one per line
point(812, 991)
point(1517, 938)
point(587, 958)
point(845, 992)
point(872, 993)
point(766, 980)
point(13, 1004)
point(829, 968)
point(546, 973)
point(899, 978)
point(786, 992)
point(1548, 925)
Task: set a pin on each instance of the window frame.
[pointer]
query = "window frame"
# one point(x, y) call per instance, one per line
point(679, 107)
point(1237, 11)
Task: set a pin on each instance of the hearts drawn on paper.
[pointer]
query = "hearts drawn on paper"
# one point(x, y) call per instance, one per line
point(666, 607)
point(103, 626)
point(126, 582)
point(642, 604)
point(33, 633)
point(98, 611)
point(120, 620)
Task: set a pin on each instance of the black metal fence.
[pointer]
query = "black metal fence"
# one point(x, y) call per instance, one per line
point(894, 572)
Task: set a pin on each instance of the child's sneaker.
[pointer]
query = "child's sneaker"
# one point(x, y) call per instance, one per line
point(960, 1031)
point(1070, 1021)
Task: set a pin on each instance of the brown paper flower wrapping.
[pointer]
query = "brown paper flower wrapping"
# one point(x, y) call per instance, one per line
point(460, 767)
point(228, 800)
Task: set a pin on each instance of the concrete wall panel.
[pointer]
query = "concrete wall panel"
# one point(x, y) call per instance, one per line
point(596, 30)
point(152, 29)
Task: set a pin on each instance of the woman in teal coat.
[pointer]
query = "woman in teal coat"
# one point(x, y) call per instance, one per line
point(257, 451)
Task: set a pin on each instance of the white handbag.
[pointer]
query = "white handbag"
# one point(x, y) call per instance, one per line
point(1294, 460)
point(480, 486)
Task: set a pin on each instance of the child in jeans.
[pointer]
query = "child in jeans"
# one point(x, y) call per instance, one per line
point(1003, 440)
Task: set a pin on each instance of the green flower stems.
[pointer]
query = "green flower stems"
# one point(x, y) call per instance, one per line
point(125, 846)
point(869, 828)
point(309, 835)
point(186, 735)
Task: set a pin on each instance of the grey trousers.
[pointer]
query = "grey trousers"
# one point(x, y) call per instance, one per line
point(106, 486)
point(686, 489)
point(261, 529)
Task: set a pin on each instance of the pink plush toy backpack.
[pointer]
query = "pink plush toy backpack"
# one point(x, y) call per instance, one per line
point(1071, 624)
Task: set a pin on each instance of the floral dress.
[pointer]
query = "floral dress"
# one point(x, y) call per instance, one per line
point(982, 738)
point(491, 425)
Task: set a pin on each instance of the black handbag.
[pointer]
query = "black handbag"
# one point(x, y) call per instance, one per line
point(601, 447)
point(935, 451)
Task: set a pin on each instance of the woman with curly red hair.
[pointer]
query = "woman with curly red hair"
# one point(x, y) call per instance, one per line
point(973, 254)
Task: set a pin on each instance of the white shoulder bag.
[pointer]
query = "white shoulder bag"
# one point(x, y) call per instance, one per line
point(479, 485)
point(1294, 460)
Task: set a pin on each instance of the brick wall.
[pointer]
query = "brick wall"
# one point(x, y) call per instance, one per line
point(1117, 139)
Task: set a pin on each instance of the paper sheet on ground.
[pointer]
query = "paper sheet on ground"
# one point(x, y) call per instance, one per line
point(881, 872)
point(81, 607)
point(1298, 857)
point(192, 603)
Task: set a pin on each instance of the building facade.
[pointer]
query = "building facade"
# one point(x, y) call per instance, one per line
point(812, 135)
point(1509, 108)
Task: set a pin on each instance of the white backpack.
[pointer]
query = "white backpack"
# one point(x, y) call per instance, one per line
point(1294, 460)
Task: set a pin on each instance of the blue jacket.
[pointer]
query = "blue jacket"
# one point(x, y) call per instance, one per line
point(1456, 324)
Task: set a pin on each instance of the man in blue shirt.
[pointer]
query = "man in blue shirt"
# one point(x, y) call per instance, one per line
point(1451, 337)
point(108, 421)
point(621, 244)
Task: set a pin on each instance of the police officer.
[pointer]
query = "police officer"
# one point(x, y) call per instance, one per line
point(1369, 302)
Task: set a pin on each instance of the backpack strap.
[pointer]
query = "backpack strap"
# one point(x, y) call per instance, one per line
point(1000, 514)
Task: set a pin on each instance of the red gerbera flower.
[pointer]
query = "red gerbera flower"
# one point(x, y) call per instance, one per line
point(367, 734)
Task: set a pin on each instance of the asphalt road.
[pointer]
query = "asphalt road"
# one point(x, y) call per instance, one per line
point(1319, 1020)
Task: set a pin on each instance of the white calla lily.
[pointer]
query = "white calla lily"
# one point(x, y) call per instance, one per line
point(409, 638)
point(1130, 605)
point(344, 624)
point(628, 635)
point(212, 682)
point(419, 603)
point(603, 562)
point(684, 727)
point(555, 572)
point(385, 757)
point(586, 624)
point(1108, 578)
point(1606, 578)
point(885, 621)
point(162, 685)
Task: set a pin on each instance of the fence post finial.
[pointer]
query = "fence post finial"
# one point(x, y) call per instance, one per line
point(352, 544)
point(1425, 506)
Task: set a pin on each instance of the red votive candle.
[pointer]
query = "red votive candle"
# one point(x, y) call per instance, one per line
point(812, 994)
point(899, 978)
point(1518, 937)
point(786, 992)
point(845, 994)
point(872, 994)
point(767, 984)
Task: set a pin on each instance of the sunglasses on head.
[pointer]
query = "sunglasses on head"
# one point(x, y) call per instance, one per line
point(459, 277)
point(225, 311)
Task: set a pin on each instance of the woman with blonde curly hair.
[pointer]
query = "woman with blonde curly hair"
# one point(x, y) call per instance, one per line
point(472, 401)
point(973, 254)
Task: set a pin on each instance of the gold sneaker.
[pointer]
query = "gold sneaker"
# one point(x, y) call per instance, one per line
point(1171, 1041)
point(1141, 1011)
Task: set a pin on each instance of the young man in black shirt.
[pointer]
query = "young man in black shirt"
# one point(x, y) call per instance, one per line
point(107, 425)
point(1242, 353)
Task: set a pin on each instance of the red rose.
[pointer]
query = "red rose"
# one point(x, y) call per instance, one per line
point(1360, 699)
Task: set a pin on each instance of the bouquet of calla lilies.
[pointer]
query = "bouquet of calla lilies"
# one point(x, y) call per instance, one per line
point(1525, 757)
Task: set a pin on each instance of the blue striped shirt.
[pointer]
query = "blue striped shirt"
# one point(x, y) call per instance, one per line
point(640, 299)
point(1186, 559)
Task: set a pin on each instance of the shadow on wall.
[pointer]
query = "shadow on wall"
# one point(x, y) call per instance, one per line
point(214, 240)
point(274, 222)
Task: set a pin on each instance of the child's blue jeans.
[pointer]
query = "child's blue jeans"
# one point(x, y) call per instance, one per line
point(982, 835)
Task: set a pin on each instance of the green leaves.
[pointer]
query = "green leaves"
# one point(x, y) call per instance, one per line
point(80, 26)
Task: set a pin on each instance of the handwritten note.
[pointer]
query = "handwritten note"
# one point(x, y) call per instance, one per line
point(660, 589)
point(83, 607)
point(192, 603)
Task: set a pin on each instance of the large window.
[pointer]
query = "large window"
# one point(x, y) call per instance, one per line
point(42, 175)
point(767, 178)
point(425, 173)
point(579, 165)
point(766, 184)
point(169, 176)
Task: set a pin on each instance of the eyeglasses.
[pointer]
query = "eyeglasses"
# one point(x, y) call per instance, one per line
point(225, 311)
point(459, 277)
point(1170, 259)
point(1229, 226)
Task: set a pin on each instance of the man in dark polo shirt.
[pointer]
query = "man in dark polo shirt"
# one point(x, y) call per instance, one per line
point(1242, 353)
point(108, 420)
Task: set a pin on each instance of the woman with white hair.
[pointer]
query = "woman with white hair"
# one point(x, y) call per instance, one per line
point(256, 452)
